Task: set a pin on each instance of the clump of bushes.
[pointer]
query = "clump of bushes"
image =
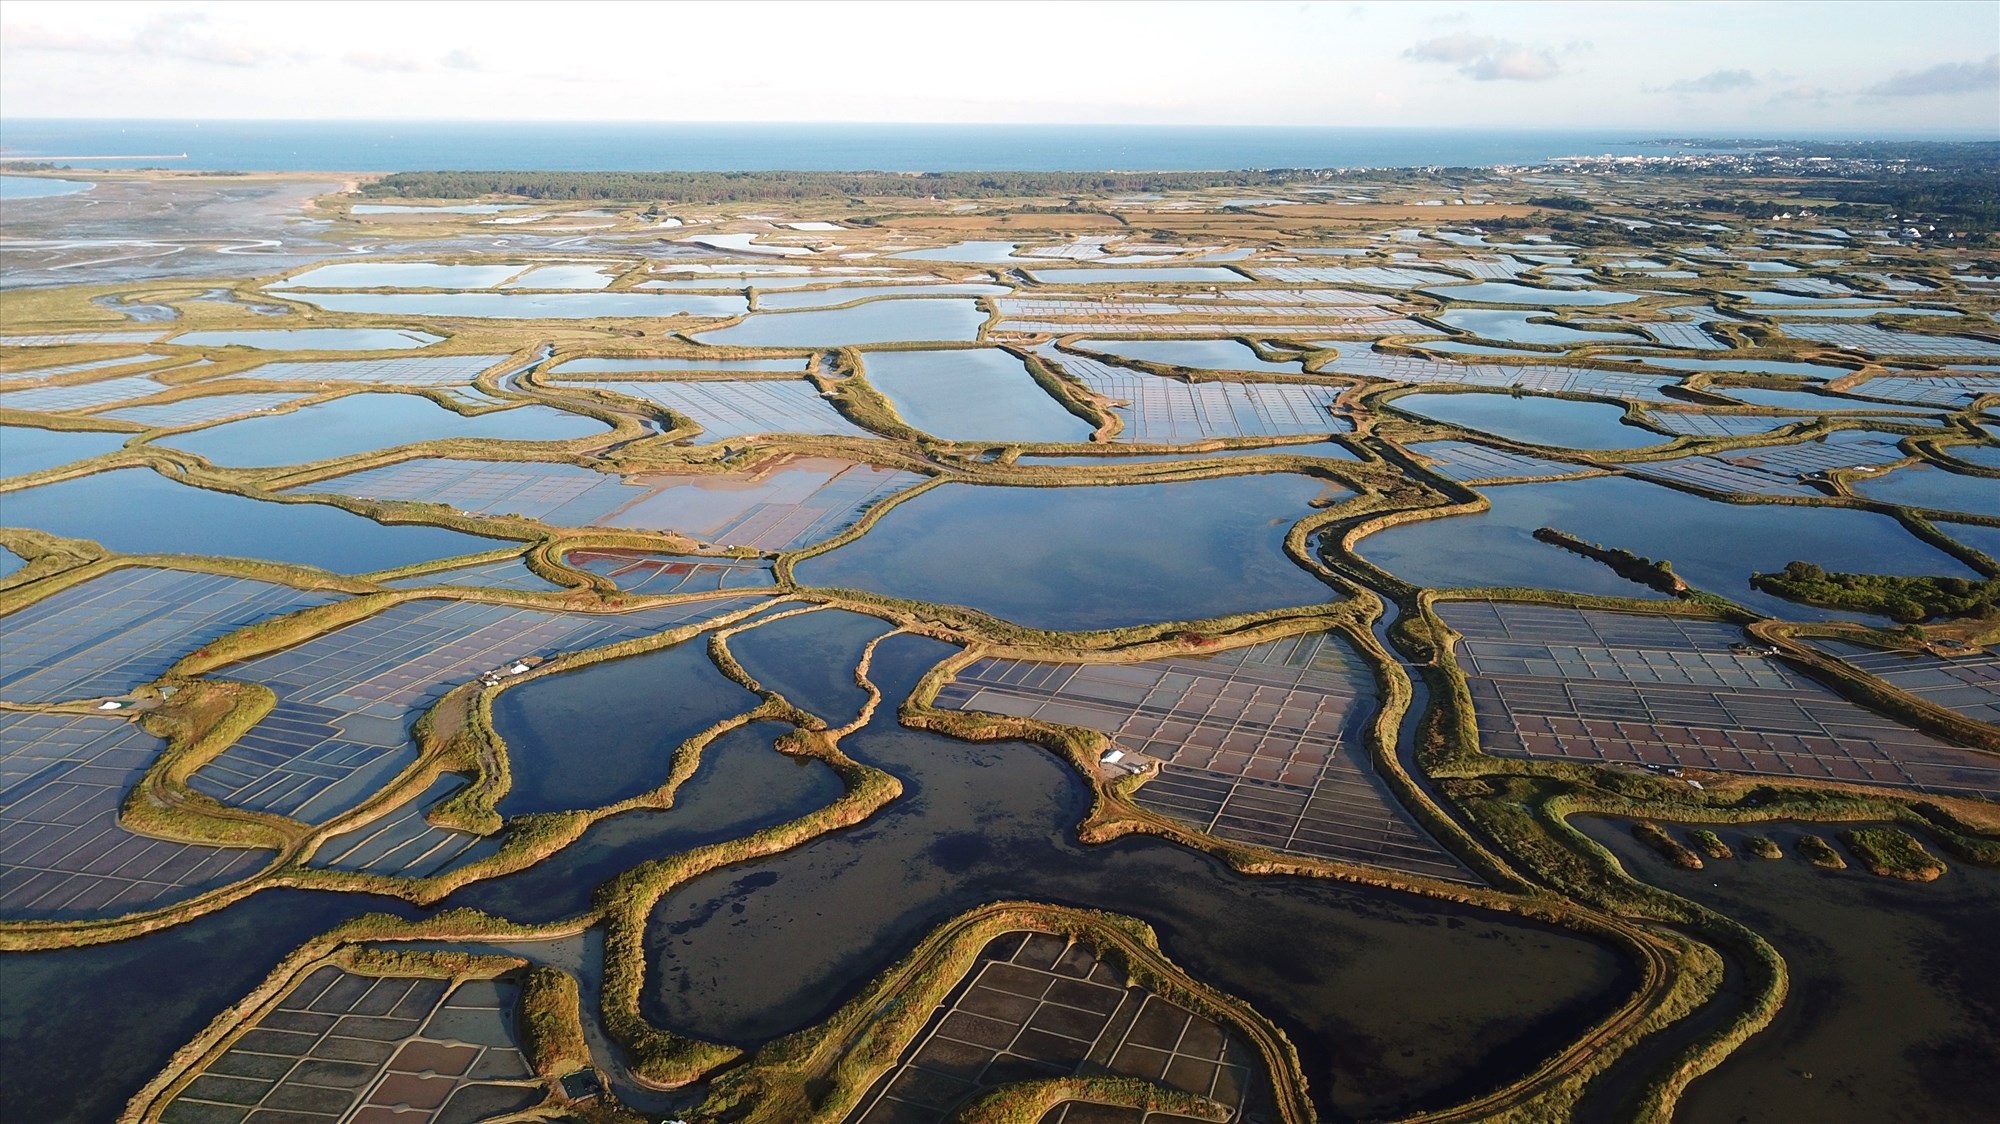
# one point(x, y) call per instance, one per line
point(1712, 845)
point(1905, 600)
point(552, 1021)
point(1657, 575)
point(1764, 847)
point(1892, 853)
point(1820, 853)
point(1671, 849)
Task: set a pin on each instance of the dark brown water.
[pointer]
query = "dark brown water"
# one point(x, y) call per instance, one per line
point(1894, 1012)
point(1397, 1002)
point(82, 1029)
point(743, 786)
point(566, 752)
point(1089, 557)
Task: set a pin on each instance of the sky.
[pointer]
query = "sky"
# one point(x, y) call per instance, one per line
point(1742, 68)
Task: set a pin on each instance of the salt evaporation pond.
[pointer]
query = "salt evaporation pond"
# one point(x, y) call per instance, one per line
point(1926, 485)
point(1396, 1003)
point(1330, 450)
point(1748, 366)
point(1458, 347)
point(82, 1061)
point(1521, 327)
point(964, 251)
point(932, 320)
point(983, 395)
point(138, 511)
point(361, 423)
point(683, 694)
point(1892, 997)
point(25, 449)
point(1122, 275)
point(530, 306)
point(1209, 355)
point(399, 275)
point(810, 659)
point(1507, 292)
point(1089, 557)
point(1805, 400)
point(1715, 546)
point(311, 339)
point(435, 209)
point(575, 368)
point(1537, 420)
point(848, 294)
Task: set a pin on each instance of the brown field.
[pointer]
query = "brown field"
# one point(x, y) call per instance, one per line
point(968, 224)
point(1396, 212)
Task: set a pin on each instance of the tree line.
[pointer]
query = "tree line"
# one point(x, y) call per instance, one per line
point(757, 187)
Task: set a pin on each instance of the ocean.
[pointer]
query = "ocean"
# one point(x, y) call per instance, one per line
point(387, 146)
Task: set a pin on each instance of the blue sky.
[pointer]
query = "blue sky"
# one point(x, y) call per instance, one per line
point(1734, 67)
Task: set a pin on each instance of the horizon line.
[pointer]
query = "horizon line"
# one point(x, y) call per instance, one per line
point(1713, 132)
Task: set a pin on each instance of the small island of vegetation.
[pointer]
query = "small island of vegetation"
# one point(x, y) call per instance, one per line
point(1907, 600)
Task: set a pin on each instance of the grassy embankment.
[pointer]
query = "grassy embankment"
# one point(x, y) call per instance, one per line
point(821, 1073)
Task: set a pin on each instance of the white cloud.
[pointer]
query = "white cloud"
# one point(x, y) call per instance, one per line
point(185, 36)
point(377, 63)
point(1487, 59)
point(1945, 78)
point(174, 36)
point(1714, 82)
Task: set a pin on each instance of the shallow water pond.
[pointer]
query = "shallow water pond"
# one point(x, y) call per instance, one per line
point(663, 697)
point(1395, 1002)
point(1924, 485)
point(573, 277)
point(810, 659)
point(743, 785)
point(1892, 1013)
point(1211, 355)
point(435, 209)
point(1769, 296)
point(1332, 450)
point(1521, 327)
point(934, 319)
point(1979, 537)
point(1537, 420)
point(983, 395)
point(1805, 400)
point(81, 1061)
point(25, 449)
point(1852, 313)
point(312, 339)
point(362, 423)
point(138, 511)
point(1986, 456)
point(1089, 557)
point(1459, 347)
point(578, 368)
point(1753, 366)
point(39, 187)
point(845, 294)
point(1121, 275)
point(399, 275)
point(976, 251)
point(530, 306)
point(1715, 546)
point(1508, 292)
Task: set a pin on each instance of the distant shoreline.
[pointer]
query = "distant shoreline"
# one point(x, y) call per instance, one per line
point(389, 146)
